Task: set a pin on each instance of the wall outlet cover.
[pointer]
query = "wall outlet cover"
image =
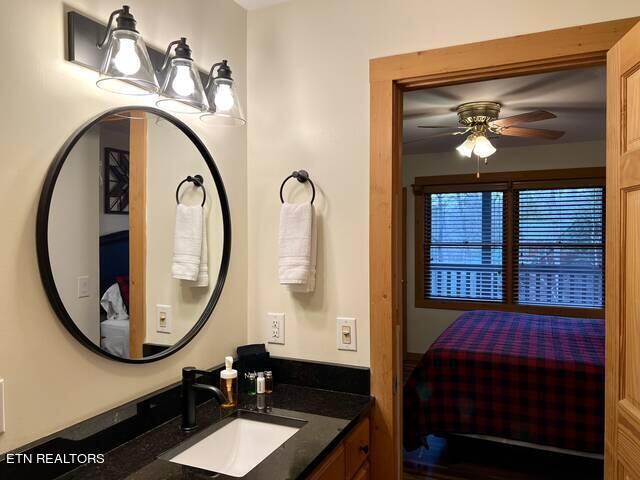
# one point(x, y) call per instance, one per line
point(346, 334)
point(275, 328)
point(164, 319)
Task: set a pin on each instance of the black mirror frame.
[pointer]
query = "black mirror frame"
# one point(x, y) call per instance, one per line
point(42, 236)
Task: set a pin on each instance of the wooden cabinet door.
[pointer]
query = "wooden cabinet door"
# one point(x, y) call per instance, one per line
point(357, 448)
point(622, 412)
point(332, 468)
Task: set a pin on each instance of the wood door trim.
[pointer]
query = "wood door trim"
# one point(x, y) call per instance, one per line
point(522, 54)
point(389, 77)
point(137, 234)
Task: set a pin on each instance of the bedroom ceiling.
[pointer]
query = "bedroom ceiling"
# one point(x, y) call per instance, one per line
point(576, 97)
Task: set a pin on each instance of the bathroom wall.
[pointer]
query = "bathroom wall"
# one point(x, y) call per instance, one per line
point(308, 92)
point(51, 381)
point(74, 228)
point(425, 324)
point(171, 156)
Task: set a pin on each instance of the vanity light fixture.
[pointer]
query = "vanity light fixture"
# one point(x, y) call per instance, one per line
point(126, 67)
point(224, 104)
point(181, 90)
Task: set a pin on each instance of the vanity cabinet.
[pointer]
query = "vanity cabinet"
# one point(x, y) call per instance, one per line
point(349, 460)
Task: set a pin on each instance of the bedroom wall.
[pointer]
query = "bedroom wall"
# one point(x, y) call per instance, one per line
point(74, 228)
point(51, 381)
point(308, 108)
point(425, 324)
point(171, 157)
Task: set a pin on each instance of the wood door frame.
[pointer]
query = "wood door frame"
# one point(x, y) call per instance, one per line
point(137, 234)
point(389, 77)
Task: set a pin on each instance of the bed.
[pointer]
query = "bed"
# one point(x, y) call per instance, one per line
point(527, 378)
point(114, 293)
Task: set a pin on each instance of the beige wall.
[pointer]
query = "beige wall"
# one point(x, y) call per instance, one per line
point(171, 156)
point(425, 324)
point(308, 63)
point(74, 239)
point(51, 381)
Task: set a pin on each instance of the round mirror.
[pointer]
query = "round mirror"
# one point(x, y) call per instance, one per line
point(133, 234)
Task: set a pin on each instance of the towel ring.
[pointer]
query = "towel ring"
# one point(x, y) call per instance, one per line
point(302, 176)
point(198, 181)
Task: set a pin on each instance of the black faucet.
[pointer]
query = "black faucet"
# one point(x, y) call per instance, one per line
point(189, 386)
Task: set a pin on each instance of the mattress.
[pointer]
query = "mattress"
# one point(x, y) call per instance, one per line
point(531, 378)
point(114, 337)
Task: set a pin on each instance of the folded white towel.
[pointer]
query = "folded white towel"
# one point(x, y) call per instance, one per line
point(203, 271)
point(296, 252)
point(187, 242)
point(310, 285)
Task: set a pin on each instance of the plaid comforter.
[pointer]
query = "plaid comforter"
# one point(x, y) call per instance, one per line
point(532, 378)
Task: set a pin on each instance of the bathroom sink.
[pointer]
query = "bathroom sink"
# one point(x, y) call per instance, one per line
point(235, 445)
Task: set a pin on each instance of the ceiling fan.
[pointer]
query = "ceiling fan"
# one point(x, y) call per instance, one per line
point(480, 119)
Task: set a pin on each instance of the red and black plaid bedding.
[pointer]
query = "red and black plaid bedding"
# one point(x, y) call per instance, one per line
point(532, 378)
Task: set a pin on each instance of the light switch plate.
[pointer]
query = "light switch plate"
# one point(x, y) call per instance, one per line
point(346, 334)
point(1, 405)
point(275, 328)
point(164, 319)
point(83, 286)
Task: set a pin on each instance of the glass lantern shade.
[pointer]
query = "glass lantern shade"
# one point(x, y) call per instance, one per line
point(182, 90)
point(126, 67)
point(224, 105)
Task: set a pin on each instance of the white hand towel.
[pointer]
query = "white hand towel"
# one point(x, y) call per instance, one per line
point(187, 242)
point(295, 245)
point(203, 271)
point(310, 284)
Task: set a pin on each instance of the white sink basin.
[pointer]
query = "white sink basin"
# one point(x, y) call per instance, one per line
point(236, 448)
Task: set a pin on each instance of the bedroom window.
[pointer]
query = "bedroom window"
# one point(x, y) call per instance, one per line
point(466, 245)
point(560, 247)
point(518, 241)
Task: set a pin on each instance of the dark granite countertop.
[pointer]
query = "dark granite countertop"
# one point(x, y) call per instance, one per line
point(328, 417)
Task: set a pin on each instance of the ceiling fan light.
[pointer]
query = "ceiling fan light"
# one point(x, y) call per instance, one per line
point(466, 148)
point(483, 147)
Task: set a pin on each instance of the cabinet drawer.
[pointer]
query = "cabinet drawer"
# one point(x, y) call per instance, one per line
point(357, 448)
point(333, 466)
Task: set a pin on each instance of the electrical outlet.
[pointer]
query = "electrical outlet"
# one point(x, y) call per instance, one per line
point(83, 286)
point(164, 319)
point(346, 338)
point(1, 405)
point(275, 328)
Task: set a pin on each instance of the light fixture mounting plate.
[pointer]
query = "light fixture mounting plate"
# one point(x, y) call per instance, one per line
point(83, 35)
point(477, 113)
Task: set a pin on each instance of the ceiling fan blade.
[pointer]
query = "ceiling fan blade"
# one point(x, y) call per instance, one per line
point(531, 132)
point(430, 137)
point(534, 116)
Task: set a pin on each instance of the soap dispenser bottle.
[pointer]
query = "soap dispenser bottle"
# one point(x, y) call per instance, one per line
point(229, 383)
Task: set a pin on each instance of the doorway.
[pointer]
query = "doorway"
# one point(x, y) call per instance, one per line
point(389, 77)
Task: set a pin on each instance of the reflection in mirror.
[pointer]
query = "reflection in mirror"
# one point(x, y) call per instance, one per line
point(134, 271)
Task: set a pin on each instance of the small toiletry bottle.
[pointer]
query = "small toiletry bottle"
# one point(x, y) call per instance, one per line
point(229, 383)
point(260, 403)
point(260, 383)
point(268, 381)
point(251, 383)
